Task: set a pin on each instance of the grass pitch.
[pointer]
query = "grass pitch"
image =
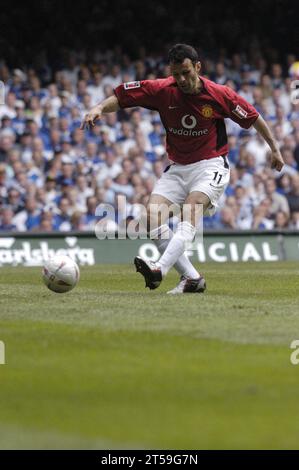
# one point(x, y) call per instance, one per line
point(112, 365)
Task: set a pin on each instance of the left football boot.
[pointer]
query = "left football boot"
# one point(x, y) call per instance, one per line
point(150, 271)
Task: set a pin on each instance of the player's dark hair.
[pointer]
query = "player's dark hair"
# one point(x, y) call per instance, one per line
point(179, 52)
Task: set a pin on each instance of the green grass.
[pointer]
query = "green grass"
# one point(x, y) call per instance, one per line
point(111, 365)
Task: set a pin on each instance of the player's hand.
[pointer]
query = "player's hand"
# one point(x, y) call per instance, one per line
point(276, 160)
point(90, 118)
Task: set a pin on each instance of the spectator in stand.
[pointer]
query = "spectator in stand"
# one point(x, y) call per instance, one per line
point(77, 222)
point(30, 217)
point(84, 191)
point(276, 75)
point(3, 183)
point(284, 184)
point(46, 223)
point(278, 201)
point(220, 75)
point(62, 218)
point(257, 95)
point(262, 216)
point(8, 109)
point(90, 219)
point(227, 219)
point(96, 89)
point(6, 220)
point(7, 141)
point(14, 200)
point(258, 147)
point(281, 220)
point(290, 163)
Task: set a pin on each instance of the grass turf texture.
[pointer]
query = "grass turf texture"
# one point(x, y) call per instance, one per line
point(112, 365)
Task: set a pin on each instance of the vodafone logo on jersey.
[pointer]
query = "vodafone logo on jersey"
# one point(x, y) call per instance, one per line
point(188, 121)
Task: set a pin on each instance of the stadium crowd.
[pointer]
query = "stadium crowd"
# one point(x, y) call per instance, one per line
point(53, 175)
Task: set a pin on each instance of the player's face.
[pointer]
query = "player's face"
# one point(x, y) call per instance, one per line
point(186, 76)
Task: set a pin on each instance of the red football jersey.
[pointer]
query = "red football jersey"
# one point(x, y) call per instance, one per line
point(194, 124)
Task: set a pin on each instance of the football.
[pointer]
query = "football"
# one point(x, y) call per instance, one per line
point(61, 274)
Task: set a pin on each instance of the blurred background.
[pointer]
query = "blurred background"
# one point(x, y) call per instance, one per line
point(59, 59)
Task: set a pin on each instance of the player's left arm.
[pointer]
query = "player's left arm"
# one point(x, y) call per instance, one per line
point(242, 112)
point(263, 129)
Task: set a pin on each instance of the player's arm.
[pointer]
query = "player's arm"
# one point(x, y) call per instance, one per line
point(109, 105)
point(263, 129)
point(242, 112)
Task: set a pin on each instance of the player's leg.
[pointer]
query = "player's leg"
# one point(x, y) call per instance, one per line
point(158, 230)
point(206, 180)
point(206, 183)
point(196, 203)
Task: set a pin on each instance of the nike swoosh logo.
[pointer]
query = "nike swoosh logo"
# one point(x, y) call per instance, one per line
point(172, 107)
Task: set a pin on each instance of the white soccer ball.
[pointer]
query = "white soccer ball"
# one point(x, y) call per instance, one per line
point(61, 274)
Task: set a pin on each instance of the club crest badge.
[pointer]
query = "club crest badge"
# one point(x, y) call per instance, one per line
point(207, 111)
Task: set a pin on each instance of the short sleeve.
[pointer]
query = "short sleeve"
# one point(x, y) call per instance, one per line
point(238, 109)
point(139, 93)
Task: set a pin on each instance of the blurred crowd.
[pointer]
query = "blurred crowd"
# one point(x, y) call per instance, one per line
point(53, 175)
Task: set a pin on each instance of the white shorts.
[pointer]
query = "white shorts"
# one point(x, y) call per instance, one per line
point(207, 176)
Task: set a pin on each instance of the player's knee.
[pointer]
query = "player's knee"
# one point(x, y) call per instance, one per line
point(194, 209)
point(197, 201)
point(186, 231)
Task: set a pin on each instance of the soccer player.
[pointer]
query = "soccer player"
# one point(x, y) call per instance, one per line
point(192, 109)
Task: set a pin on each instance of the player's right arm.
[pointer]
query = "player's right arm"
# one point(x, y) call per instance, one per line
point(109, 105)
point(127, 95)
